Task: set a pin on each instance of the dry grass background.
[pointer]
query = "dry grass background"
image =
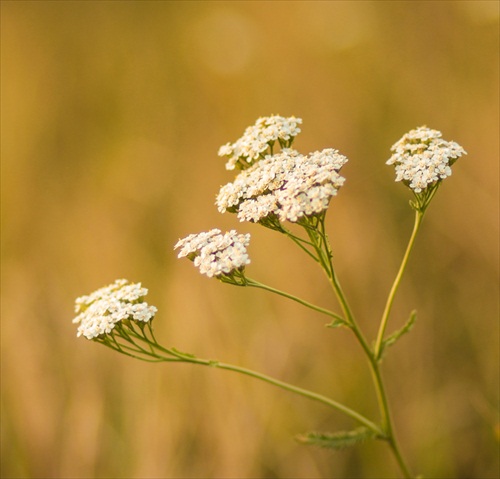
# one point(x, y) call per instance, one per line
point(112, 114)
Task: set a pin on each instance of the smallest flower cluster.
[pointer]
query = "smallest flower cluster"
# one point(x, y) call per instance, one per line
point(214, 253)
point(258, 138)
point(422, 158)
point(100, 311)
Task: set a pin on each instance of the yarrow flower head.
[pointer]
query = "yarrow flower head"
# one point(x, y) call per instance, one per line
point(286, 186)
point(100, 311)
point(423, 159)
point(257, 140)
point(214, 253)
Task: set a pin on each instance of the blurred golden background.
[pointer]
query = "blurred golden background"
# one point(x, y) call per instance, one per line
point(112, 114)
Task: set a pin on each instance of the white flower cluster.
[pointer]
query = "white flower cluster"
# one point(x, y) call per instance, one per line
point(101, 310)
point(215, 253)
point(258, 138)
point(288, 185)
point(422, 158)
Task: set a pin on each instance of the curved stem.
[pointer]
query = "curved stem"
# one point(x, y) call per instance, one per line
point(390, 299)
point(399, 458)
point(309, 394)
point(188, 358)
point(256, 284)
point(386, 416)
point(295, 389)
point(377, 378)
point(323, 249)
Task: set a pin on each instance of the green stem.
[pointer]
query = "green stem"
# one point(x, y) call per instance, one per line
point(309, 394)
point(299, 242)
point(297, 390)
point(322, 246)
point(399, 459)
point(390, 299)
point(188, 358)
point(386, 416)
point(377, 377)
point(256, 284)
point(350, 317)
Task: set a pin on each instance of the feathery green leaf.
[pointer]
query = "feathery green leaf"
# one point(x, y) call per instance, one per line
point(337, 440)
point(391, 339)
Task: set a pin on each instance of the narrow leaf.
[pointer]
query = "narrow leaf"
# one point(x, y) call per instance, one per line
point(337, 440)
point(407, 327)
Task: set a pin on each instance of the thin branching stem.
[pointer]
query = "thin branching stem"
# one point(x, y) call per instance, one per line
point(390, 299)
point(256, 284)
point(159, 353)
point(183, 357)
point(306, 393)
point(300, 243)
point(319, 238)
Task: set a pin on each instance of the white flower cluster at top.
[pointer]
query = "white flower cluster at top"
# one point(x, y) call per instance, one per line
point(257, 139)
point(215, 253)
point(288, 185)
point(422, 158)
point(101, 310)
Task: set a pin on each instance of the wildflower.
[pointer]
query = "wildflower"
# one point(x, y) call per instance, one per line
point(257, 139)
point(100, 311)
point(287, 185)
point(214, 253)
point(422, 158)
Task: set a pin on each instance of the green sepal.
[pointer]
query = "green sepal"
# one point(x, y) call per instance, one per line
point(391, 339)
point(338, 440)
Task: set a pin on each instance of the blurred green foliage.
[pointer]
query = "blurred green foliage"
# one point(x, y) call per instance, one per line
point(111, 117)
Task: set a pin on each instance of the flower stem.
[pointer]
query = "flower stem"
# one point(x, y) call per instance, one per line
point(386, 416)
point(377, 379)
point(321, 244)
point(306, 393)
point(256, 284)
point(399, 459)
point(289, 387)
point(173, 355)
point(390, 299)
point(300, 242)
